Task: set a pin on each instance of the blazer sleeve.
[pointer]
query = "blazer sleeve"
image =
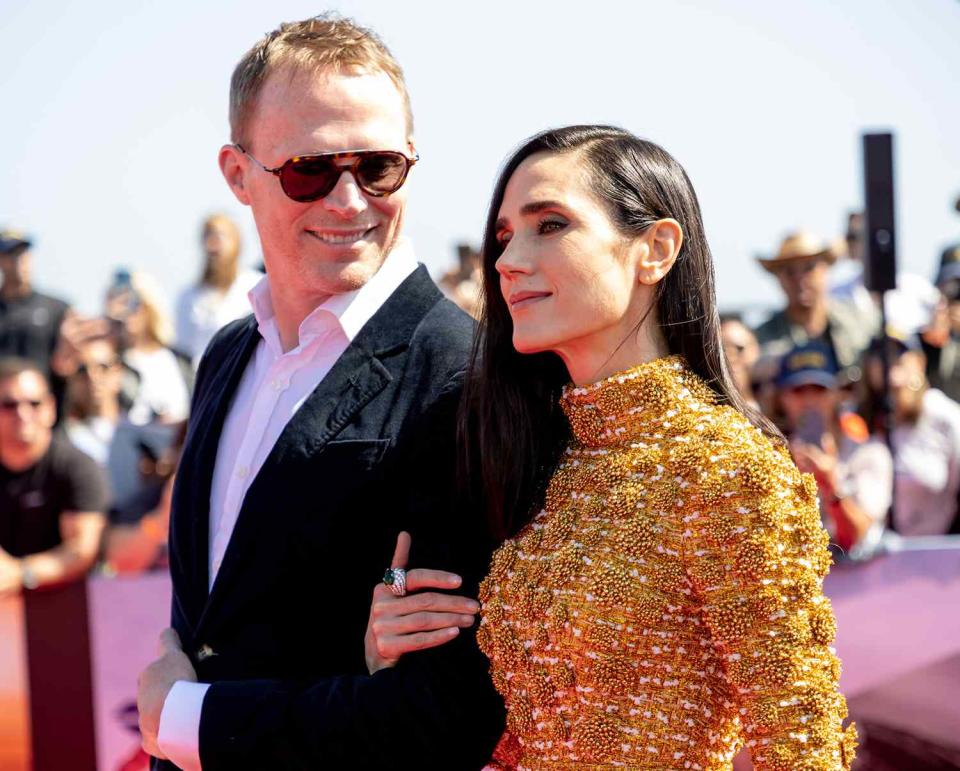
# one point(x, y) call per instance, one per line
point(435, 709)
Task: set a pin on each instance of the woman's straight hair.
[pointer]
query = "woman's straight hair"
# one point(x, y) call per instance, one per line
point(512, 430)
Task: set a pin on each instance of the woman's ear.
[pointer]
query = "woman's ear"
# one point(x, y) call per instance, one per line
point(657, 250)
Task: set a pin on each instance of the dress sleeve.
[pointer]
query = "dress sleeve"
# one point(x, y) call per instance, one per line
point(757, 555)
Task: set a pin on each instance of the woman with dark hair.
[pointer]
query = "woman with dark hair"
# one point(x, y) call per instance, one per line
point(657, 602)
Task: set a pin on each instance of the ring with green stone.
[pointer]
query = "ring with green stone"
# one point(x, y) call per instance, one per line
point(396, 579)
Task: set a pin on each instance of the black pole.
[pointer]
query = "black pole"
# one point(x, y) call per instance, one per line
point(880, 261)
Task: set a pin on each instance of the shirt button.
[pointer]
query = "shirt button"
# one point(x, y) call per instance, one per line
point(277, 385)
point(242, 472)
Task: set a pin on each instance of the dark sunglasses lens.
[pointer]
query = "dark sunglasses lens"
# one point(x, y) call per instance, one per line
point(308, 179)
point(12, 405)
point(381, 172)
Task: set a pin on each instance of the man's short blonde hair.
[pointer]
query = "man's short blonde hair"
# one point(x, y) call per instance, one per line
point(323, 43)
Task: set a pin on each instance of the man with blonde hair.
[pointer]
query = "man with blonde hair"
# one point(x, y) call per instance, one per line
point(322, 426)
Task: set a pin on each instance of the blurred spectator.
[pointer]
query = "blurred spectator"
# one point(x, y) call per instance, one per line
point(846, 276)
point(161, 393)
point(29, 321)
point(155, 394)
point(93, 398)
point(221, 294)
point(742, 352)
point(52, 496)
point(854, 472)
point(941, 339)
point(802, 267)
point(462, 283)
point(137, 536)
point(926, 438)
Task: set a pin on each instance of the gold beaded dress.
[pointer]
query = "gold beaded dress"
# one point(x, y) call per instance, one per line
point(666, 606)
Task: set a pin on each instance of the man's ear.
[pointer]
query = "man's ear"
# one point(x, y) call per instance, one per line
point(656, 250)
point(235, 166)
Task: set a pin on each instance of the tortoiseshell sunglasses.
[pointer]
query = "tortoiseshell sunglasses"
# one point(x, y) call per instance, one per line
point(311, 177)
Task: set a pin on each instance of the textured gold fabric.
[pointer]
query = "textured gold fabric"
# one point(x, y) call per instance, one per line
point(666, 606)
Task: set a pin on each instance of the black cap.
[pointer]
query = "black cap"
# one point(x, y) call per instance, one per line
point(12, 240)
point(898, 342)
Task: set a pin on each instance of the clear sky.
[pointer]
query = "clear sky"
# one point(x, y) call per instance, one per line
point(114, 112)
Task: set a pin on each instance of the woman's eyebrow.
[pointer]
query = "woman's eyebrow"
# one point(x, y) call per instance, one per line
point(534, 207)
point(538, 206)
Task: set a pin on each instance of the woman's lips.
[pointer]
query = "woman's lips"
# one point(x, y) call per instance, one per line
point(520, 300)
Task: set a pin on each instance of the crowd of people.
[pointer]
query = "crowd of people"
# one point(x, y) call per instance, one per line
point(93, 410)
point(600, 382)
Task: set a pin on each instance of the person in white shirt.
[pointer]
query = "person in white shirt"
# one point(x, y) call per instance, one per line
point(220, 296)
point(926, 439)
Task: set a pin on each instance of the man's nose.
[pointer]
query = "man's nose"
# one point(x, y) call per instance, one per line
point(346, 198)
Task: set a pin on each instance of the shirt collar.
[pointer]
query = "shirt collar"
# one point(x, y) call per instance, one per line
point(349, 311)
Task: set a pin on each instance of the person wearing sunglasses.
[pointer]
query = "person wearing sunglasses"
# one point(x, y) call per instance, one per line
point(53, 498)
point(321, 425)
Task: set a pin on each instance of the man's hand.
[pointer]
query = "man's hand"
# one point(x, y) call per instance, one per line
point(155, 683)
point(11, 575)
point(75, 332)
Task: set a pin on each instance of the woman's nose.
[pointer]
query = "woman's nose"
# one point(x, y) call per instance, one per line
point(512, 262)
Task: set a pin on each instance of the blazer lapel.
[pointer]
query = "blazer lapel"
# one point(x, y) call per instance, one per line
point(356, 378)
point(353, 381)
point(207, 426)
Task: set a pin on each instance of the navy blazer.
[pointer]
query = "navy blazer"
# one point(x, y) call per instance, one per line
point(281, 635)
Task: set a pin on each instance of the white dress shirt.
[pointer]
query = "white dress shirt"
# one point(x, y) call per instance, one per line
point(273, 387)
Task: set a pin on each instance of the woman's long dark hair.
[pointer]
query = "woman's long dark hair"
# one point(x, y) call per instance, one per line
point(511, 428)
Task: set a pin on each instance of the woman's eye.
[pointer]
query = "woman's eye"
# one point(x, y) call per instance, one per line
point(550, 226)
point(503, 237)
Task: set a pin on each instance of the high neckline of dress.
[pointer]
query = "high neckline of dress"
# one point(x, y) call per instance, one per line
point(620, 407)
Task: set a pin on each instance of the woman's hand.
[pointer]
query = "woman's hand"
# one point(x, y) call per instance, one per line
point(399, 625)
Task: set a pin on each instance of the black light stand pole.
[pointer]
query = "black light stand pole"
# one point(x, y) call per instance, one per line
point(880, 261)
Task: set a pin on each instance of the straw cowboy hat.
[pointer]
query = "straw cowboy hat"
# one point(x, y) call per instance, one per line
point(801, 245)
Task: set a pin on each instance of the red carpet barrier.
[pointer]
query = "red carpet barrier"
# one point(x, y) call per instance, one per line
point(899, 639)
point(49, 670)
point(14, 706)
point(127, 615)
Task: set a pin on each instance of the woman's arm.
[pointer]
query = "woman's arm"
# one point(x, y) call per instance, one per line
point(757, 563)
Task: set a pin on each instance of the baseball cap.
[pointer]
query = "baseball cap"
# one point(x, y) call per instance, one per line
point(808, 364)
point(11, 240)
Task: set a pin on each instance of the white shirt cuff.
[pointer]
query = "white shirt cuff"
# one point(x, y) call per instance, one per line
point(179, 734)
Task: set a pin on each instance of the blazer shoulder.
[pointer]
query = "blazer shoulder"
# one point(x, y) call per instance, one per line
point(227, 337)
point(446, 326)
point(224, 341)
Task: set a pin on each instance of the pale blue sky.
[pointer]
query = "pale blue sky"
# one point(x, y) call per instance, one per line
point(114, 112)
